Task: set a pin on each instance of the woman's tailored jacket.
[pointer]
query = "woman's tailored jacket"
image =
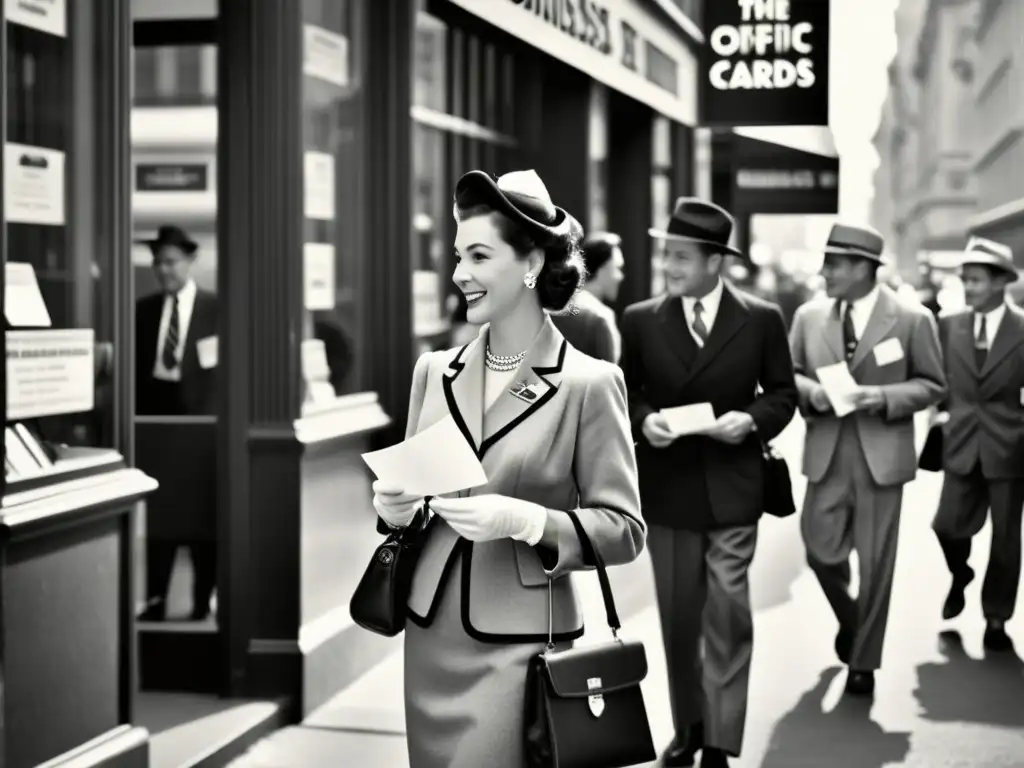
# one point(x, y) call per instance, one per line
point(565, 444)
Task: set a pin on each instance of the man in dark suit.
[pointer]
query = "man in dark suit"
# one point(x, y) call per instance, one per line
point(176, 364)
point(705, 342)
point(983, 455)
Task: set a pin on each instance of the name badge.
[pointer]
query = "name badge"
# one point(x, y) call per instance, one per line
point(1022, 396)
point(207, 352)
point(528, 393)
point(888, 352)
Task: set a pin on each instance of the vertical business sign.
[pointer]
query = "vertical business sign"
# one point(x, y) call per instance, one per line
point(765, 62)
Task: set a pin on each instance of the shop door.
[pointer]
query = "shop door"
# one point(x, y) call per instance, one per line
point(174, 275)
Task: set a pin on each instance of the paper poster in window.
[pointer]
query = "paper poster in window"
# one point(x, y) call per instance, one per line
point(50, 16)
point(33, 185)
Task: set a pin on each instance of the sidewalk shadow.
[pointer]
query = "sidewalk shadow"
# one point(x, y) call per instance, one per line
point(846, 737)
point(961, 688)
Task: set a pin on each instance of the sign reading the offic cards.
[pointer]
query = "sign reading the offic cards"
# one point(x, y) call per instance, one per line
point(765, 63)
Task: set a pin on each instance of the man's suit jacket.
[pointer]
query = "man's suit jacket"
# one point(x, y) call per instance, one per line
point(567, 448)
point(698, 483)
point(910, 384)
point(588, 332)
point(198, 385)
point(986, 406)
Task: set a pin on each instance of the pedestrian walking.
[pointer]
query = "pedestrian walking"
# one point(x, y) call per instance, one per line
point(983, 437)
point(705, 342)
point(551, 428)
point(857, 464)
point(594, 329)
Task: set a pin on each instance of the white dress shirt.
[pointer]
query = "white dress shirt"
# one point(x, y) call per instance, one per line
point(186, 303)
point(992, 321)
point(860, 311)
point(709, 306)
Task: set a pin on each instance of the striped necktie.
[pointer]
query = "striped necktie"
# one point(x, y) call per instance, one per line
point(698, 323)
point(169, 354)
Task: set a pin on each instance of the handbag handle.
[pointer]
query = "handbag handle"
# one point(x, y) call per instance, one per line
point(589, 553)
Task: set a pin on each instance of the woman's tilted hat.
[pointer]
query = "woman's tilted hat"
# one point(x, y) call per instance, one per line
point(990, 254)
point(523, 198)
point(700, 223)
point(170, 235)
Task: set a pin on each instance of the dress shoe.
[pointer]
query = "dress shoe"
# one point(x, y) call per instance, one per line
point(955, 601)
point(996, 638)
point(860, 683)
point(844, 645)
point(684, 747)
point(713, 757)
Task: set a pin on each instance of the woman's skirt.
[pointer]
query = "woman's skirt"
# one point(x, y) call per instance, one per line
point(463, 698)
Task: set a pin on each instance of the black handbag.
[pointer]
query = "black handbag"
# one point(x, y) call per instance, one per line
point(584, 707)
point(379, 602)
point(777, 490)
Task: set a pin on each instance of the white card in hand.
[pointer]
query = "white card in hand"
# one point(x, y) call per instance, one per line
point(888, 352)
point(207, 350)
point(690, 419)
point(839, 387)
point(436, 461)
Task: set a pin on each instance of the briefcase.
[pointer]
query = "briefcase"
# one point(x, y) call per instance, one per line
point(777, 490)
point(584, 707)
point(931, 455)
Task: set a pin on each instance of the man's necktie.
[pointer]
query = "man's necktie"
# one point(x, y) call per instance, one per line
point(169, 354)
point(981, 343)
point(849, 334)
point(698, 323)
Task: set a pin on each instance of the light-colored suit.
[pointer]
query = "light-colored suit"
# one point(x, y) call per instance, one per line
point(569, 448)
point(856, 466)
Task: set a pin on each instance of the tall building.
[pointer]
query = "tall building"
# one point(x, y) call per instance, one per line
point(996, 122)
point(951, 134)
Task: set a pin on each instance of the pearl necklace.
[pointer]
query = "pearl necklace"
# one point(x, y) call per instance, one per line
point(503, 363)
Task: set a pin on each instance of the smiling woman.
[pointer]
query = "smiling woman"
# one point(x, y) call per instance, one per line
point(550, 427)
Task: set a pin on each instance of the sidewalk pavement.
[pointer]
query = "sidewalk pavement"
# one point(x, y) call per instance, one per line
point(938, 703)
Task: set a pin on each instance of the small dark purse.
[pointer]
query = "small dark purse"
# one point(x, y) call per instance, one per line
point(379, 602)
point(777, 491)
point(584, 707)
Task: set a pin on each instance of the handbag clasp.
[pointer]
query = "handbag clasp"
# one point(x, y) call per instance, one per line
point(595, 701)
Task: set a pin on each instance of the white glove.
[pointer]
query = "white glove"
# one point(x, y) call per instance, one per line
point(491, 516)
point(395, 507)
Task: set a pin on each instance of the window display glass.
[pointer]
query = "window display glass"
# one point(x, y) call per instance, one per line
point(59, 298)
point(332, 354)
point(661, 195)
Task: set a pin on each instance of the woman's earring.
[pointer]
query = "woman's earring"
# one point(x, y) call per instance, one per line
point(530, 281)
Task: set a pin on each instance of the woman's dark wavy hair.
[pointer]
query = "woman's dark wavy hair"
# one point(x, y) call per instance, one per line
point(564, 271)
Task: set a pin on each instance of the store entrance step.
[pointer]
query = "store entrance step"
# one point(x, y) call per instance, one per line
point(190, 730)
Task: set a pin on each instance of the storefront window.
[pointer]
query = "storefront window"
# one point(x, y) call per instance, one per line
point(180, 75)
point(597, 187)
point(661, 194)
point(59, 296)
point(463, 114)
point(332, 353)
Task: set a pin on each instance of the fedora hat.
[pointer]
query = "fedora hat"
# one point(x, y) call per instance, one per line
point(170, 235)
point(523, 198)
point(848, 240)
point(989, 253)
point(699, 222)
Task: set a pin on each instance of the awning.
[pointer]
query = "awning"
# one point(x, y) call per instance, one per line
point(784, 169)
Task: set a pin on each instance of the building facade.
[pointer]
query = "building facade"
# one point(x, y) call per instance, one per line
point(309, 148)
point(996, 127)
point(949, 140)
